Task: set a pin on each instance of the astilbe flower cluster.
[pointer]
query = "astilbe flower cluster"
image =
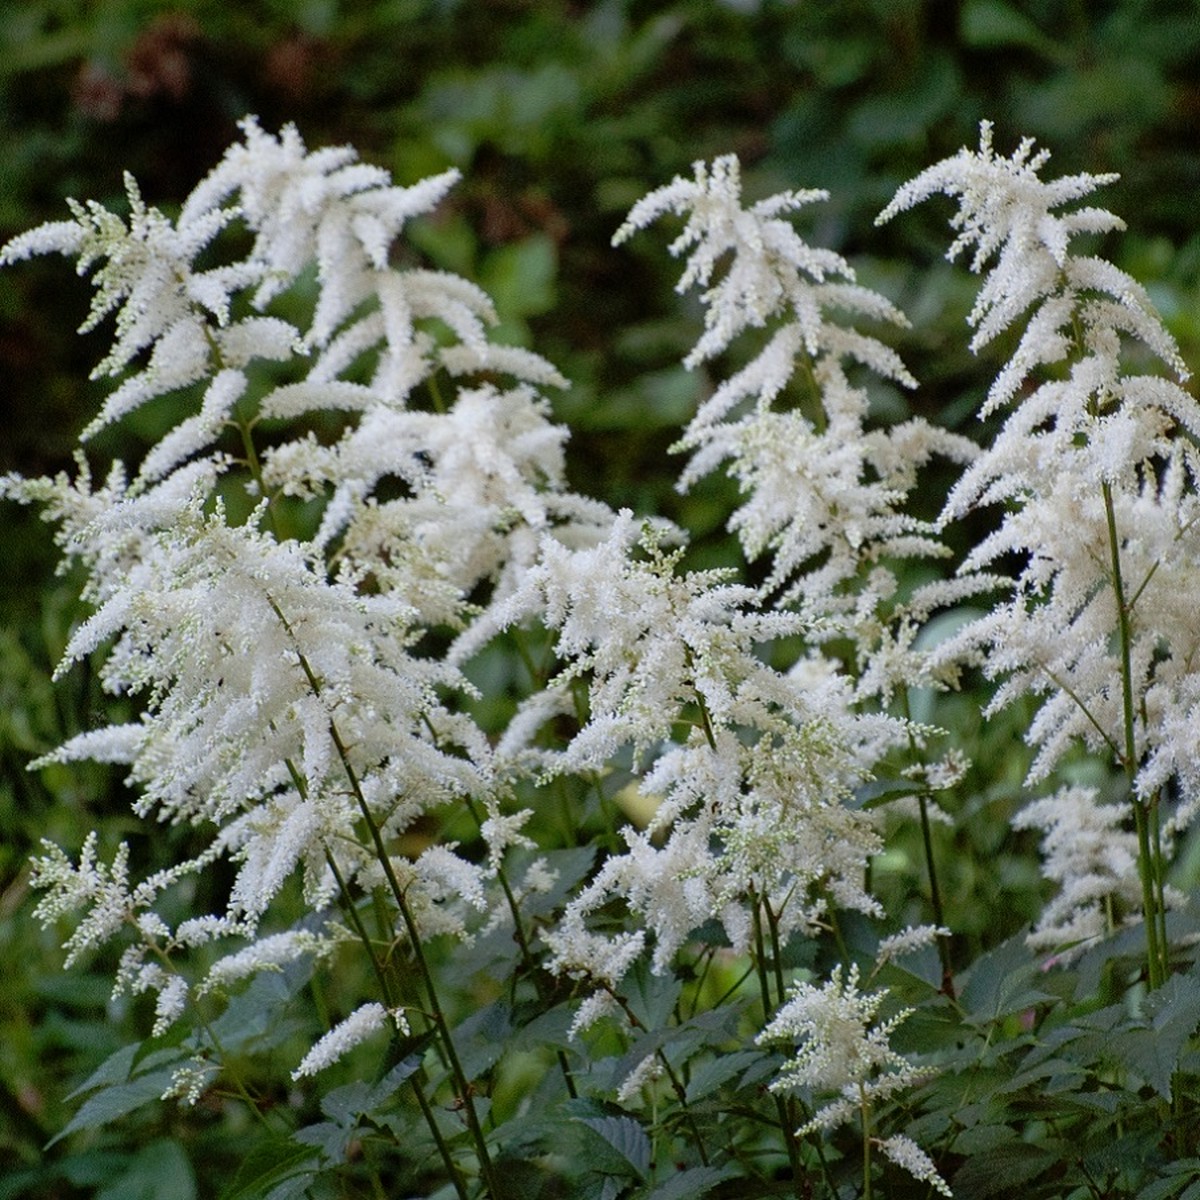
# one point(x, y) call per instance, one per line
point(843, 1048)
point(1095, 466)
point(278, 608)
point(750, 806)
point(824, 494)
point(284, 702)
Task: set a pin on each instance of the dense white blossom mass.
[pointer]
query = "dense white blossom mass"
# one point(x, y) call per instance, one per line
point(295, 618)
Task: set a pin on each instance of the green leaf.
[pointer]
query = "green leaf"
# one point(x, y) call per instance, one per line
point(159, 1171)
point(988, 23)
point(1153, 1051)
point(883, 791)
point(626, 1137)
point(482, 1037)
point(999, 983)
point(1001, 1171)
point(520, 277)
point(694, 1182)
point(1161, 1189)
point(272, 1164)
point(254, 1018)
point(117, 1097)
point(116, 1101)
point(711, 1075)
point(114, 1069)
point(651, 997)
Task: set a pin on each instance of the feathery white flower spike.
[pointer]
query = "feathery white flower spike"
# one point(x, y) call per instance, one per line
point(823, 493)
point(1097, 468)
point(843, 1048)
point(363, 1023)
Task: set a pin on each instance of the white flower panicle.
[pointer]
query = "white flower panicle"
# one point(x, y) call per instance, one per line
point(841, 1046)
point(486, 482)
point(327, 208)
point(286, 710)
point(752, 804)
point(1097, 469)
point(175, 332)
point(844, 1048)
point(364, 1022)
point(770, 259)
point(112, 904)
point(269, 953)
point(1092, 858)
point(823, 492)
point(907, 941)
point(908, 1156)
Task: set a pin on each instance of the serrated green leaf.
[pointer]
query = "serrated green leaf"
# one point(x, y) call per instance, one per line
point(254, 1017)
point(1051, 1075)
point(999, 983)
point(692, 1183)
point(118, 1100)
point(1153, 1050)
point(159, 1171)
point(709, 1076)
point(270, 1165)
point(1001, 1171)
point(1161, 1189)
point(482, 1037)
point(114, 1069)
point(346, 1107)
point(651, 997)
point(877, 792)
point(626, 1137)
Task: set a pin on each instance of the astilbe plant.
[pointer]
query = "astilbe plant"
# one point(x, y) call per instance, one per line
point(1098, 468)
point(368, 505)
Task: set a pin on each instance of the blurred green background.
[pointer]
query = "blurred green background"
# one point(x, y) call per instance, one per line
point(560, 116)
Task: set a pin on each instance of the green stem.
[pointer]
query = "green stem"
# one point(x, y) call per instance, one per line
point(865, 1108)
point(935, 897)
point(461, 1083)
point(1146, 866)
point(351, 910)
point(527, 957)
point(224, 1062)
point(444, 1150)
point(776, 949)
point(787, 1124)
point(676, 1084)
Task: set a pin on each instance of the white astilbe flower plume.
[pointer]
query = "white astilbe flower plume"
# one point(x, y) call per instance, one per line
point(266, 683)
point(485, 483)
point(823, 493)
point(326, 207)
point(752, 804)
point(1097, 470)
point(364, 1022)
point(172, 315)
point(479, 503)
point(286, 710)
point(1092, 858)
point(842, 1047)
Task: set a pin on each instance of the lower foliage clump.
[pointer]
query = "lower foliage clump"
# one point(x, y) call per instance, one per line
point(517, 856)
